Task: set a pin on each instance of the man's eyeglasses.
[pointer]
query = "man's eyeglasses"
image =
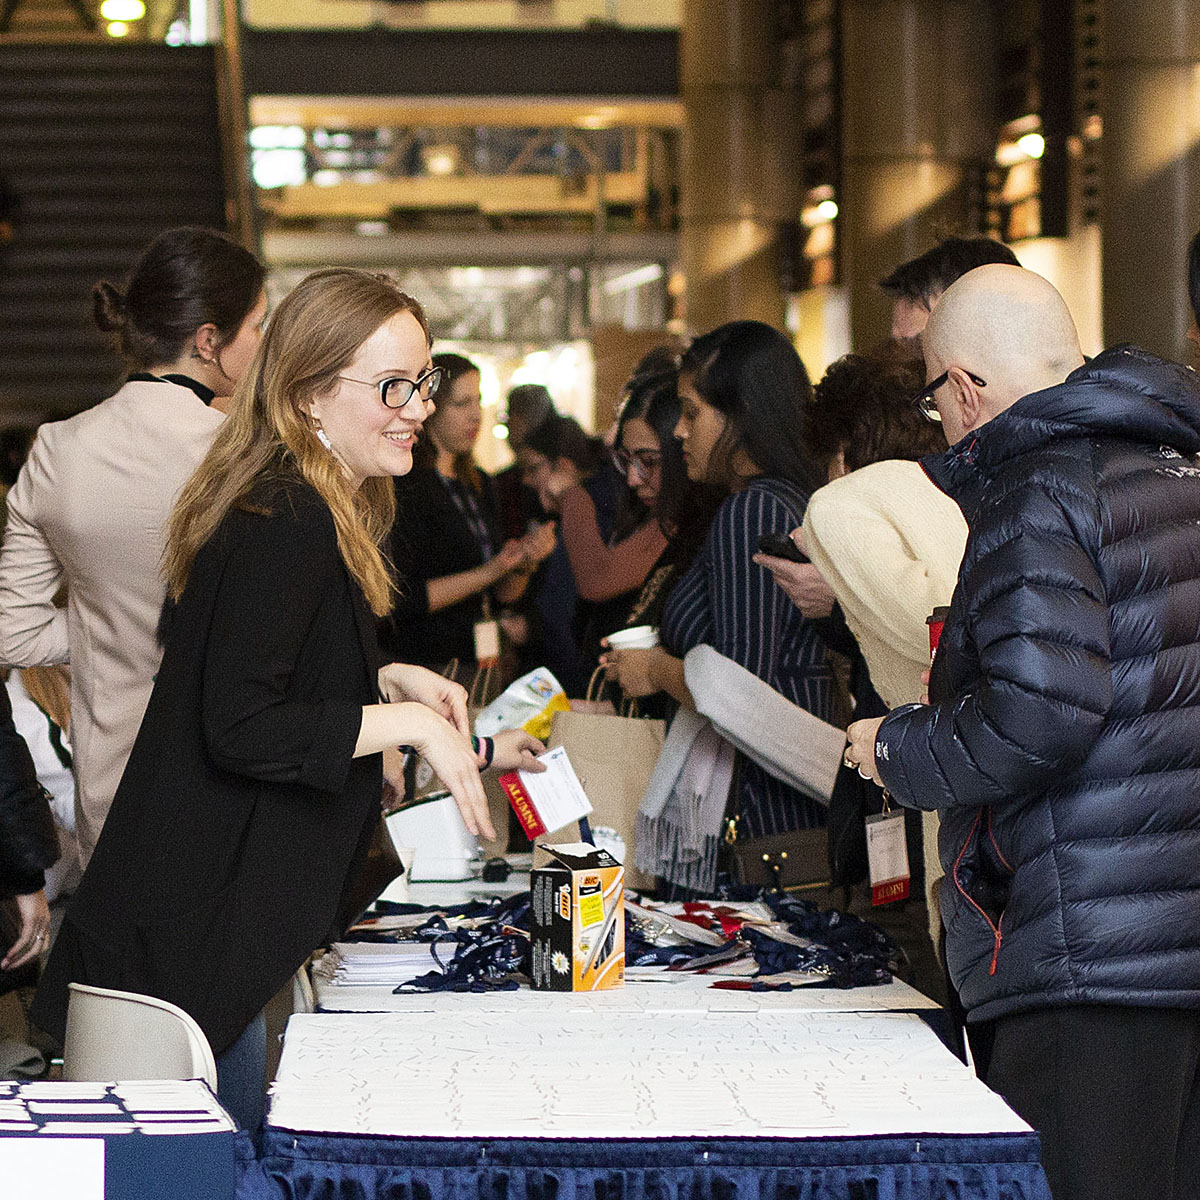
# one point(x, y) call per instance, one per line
point(924, 399)
point(396, 392)
point(643, 462)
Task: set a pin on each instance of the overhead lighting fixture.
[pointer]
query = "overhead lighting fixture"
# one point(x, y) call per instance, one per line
point(602, 118)
point(632, 279)
point(442, 159)
point(1020, 141)
point(1032, 145)
point(117, 29)
point(819, 214)
point(119, 11)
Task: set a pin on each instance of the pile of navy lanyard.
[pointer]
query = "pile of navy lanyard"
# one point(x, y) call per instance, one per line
point(488, 957)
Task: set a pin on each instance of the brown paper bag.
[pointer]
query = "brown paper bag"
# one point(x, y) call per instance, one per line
point(614, 758)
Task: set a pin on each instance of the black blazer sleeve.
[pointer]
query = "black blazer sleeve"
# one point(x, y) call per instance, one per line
point(278, 580)
point(28, 842)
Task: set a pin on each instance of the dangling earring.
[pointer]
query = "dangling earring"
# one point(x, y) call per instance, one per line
point(323, 438)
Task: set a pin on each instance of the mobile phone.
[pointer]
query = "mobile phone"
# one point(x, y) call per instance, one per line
point(781, 546)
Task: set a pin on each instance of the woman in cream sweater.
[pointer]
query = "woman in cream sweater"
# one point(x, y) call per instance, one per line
point(884, 545)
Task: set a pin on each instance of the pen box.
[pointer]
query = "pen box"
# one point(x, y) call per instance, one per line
point(578, 921)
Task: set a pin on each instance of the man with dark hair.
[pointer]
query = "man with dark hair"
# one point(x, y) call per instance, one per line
point(1059, 745)
point(916, 285)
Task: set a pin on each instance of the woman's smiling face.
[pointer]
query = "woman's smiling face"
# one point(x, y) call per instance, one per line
point(366, 437)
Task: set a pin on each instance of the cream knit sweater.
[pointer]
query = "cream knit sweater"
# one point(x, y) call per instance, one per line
point(889, 543)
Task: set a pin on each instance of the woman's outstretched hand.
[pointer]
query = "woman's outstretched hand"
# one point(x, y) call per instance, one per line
point(453, 760)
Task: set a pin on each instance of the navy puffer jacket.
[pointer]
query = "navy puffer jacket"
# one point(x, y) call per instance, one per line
point(1063, 744)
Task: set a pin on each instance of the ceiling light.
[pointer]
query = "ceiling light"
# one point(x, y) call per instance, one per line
point(819, 214)
point(1032, 145)
point(122, 10)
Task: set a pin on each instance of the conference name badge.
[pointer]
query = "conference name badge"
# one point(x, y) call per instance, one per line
point(887, 857)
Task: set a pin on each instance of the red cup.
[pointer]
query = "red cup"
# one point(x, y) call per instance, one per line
point(936, 622)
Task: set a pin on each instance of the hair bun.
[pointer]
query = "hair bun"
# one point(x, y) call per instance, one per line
point(108, 307)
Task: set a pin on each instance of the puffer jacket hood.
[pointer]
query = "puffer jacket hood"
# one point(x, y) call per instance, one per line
point(1062, 745)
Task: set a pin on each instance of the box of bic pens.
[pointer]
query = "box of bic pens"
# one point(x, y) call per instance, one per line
point(578, 922)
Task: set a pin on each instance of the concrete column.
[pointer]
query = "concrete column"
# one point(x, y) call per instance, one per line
point(740, 172)
point(917, 108)
point(1150, 154)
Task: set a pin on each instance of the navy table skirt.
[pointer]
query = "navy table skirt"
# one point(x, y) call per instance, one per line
point(338, 1167)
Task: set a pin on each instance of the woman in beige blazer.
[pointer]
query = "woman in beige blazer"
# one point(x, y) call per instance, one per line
point(90, 507)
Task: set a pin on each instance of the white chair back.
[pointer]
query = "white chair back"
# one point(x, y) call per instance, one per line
point(114, 1035)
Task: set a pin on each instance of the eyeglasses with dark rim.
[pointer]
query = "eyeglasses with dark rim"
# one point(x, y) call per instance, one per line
point(924, 399)
point(644, 462)
point(395, 391)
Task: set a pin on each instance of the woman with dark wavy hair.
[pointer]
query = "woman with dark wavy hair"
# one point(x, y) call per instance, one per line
point(743, 391)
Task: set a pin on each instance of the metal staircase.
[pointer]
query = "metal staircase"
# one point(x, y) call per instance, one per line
point(102, 145)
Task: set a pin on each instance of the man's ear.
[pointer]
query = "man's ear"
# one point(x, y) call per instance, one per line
point(968, 396)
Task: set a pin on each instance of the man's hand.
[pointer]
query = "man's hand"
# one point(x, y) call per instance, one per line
point(560, 481)
point(402, 681)
point(860, 752)
point(34, 933)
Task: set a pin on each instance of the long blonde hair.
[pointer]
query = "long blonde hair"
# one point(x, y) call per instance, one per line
point(311, 338)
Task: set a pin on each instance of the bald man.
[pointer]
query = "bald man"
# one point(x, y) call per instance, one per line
point(1062, 742)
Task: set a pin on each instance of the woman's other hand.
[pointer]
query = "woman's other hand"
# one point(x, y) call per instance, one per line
point(403, 681)
point(516, 750)
point(803, 583)
point(635, 671)
point(33, 936)
point(559, 481)
point(393, 779)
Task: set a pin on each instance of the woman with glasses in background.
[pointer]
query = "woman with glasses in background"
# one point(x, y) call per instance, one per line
point(454, 570)
point(611, 571)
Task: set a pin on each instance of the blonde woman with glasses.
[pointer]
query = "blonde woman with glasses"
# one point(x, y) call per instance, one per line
point(254, 787)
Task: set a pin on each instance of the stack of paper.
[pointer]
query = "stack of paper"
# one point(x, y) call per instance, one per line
point(658, 1074)
point(374, 963)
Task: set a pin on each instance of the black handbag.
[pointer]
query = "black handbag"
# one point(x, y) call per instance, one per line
point(787, 862)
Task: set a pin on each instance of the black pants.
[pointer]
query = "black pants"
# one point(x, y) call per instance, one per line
point(1114, 1093)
